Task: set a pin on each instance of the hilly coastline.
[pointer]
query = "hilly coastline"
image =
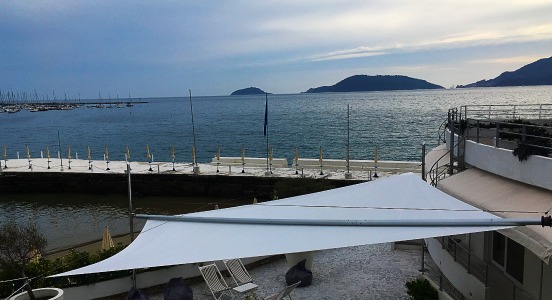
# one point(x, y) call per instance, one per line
point(365, 83)
point(536, 73)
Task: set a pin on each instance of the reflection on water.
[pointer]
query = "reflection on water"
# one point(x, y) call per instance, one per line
point(70, 219)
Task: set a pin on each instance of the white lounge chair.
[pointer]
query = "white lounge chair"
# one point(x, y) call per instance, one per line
point(283, 293)
point(238, 271)
point(242, 280)
point(215, 282)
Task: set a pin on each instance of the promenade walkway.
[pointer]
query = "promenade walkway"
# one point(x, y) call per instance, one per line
point(40, 165)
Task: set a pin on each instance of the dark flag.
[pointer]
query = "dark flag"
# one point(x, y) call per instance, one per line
point(266, 114)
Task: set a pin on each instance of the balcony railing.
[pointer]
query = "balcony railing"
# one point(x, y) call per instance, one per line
point(472, 264)
point(505, 112)
point(442, 281)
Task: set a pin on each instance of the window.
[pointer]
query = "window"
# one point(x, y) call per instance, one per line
point(499, 248)
point(510, 255)
point(515, 260)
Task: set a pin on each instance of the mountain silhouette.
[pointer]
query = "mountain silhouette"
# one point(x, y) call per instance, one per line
point(365, 83)
point(535, 73)
point(248, 91)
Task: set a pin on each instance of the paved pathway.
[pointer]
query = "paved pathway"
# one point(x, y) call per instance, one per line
point(362, 272)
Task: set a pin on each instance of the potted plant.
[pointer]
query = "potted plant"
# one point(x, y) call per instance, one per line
point(19, 244)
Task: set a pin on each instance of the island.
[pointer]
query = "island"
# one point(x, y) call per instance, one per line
point(365, 83)
point(248, 91)
point(535, 73)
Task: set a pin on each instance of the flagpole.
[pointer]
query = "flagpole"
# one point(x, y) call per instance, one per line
point(60, 156)
point(348, 175)
point(131, 217)
point(196, 168)
point(267, 173)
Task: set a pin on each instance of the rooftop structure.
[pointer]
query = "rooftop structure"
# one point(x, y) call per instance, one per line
point(496, 158)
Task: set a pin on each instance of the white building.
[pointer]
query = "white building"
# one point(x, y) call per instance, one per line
point(512, 263)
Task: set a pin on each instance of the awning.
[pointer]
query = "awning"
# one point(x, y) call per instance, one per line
point(401, 197)
point(509, 199)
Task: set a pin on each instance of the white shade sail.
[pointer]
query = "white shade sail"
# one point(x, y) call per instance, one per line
point(401, 197)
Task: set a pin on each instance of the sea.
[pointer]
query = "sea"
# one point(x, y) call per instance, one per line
point(396, 122)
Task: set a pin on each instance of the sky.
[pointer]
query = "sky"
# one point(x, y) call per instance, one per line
point(165, 48)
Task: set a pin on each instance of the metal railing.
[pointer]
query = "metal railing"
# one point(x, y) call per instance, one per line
point(519, 111)
point(473, 265)
point(439, 171)
point(433, 273)
point(526, 129)
point(511, 135)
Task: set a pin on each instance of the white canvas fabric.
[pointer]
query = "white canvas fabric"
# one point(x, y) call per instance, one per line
point(400, 197)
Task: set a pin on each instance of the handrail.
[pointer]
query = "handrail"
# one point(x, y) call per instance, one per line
point(474, 265)
point(507, 111)
point(534, 136)
point(435, 274)
point(433, 175)
point(442, 128)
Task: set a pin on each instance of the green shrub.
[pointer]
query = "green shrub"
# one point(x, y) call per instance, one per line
point(421, 289)
point(44, 267)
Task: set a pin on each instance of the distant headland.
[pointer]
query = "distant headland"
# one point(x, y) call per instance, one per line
point(248, 91)
point(535, 73)
point(365, 83)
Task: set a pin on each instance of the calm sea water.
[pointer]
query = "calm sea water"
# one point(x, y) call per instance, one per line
point(397, 122)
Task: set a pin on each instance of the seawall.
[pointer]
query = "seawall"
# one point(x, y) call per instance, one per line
point(162, 184)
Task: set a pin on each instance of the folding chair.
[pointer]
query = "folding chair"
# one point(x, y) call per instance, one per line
point(283, 293)
point(215, 282)
point(238, 272)
point(242, 279)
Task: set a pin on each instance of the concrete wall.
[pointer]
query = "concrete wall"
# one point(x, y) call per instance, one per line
point(536, 170)
point(146, 184)
point(478, 245)
point(532, 274)
point(546, 279)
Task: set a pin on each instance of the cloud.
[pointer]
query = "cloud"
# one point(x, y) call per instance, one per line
point(538, 33)
point(129, 40)
point(513, 60)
